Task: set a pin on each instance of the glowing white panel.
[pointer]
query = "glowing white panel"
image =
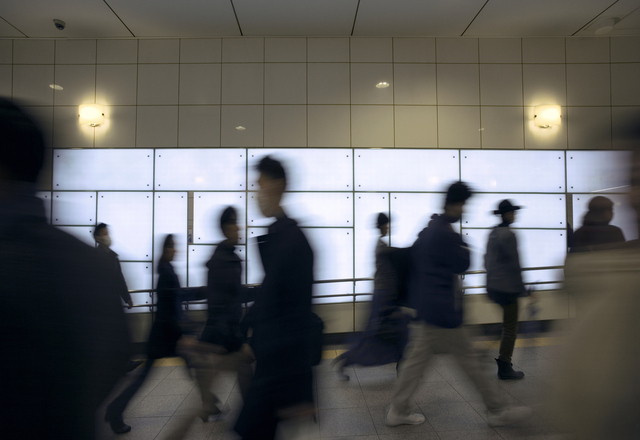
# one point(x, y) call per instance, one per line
point(82, 233)
point(333, 289)
point(598, 171)
point(207, 208)
point(513, 171)
point(624, 216)
point(405, 170)
point(255, 271)
point(539, 210)
point(322, 300)
point(138, 275)
point(411, 213)
point(199, 255)
point(45, 196)
point(308, 209)
point(129, 216)
point(332, 252)
point(368, 206)
point(536, 247)
point(113, 170)
point(364, 298)
point(74, 208)
point(364, 287)
point(170, 217)
point(201, 169)
point(308, 169)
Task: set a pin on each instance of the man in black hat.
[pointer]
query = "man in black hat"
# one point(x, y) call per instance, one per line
point(504, 284)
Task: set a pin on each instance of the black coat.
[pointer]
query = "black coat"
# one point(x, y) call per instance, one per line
point(114, 270)
point(225, 294)
point(281, 327)
point(63, 334)
point(166, 330)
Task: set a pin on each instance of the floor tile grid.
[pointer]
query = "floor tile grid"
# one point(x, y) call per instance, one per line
point(456, 415)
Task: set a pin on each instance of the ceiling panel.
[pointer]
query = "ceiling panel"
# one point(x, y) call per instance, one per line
point(296, 17)
point(6, 30)
point(171, 18)
point(535, 18)
point(84, 18)
point(627, 11)
point(415, 17)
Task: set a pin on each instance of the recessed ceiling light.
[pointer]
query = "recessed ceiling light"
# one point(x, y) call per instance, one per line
point(605, 26)
point(240, 127)
point(382, 85)
point(55, 86)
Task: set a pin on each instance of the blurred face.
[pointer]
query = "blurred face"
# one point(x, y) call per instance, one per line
point(231, 231)
point(384, 229)
point(455, 210)
point(509, 217)
point(170, 253)
point(269, 195)
point(103, 237)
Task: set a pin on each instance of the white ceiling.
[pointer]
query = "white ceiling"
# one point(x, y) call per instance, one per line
point(361, 18)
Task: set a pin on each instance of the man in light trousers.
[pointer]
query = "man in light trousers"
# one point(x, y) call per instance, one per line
point(438, 257)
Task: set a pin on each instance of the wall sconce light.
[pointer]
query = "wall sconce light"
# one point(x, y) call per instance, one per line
point(544, 116)
point(91, 115)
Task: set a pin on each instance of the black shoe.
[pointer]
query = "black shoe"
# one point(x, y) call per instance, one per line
point(133, 365)
point(506, 371)
point(117, 424)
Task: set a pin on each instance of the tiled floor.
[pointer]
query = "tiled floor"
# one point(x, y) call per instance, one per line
point(355, 409)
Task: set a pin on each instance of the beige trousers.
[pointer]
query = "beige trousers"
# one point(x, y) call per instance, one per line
point(424, 341)
point(207, 368)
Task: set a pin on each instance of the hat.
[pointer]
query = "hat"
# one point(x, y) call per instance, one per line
point(506, 206)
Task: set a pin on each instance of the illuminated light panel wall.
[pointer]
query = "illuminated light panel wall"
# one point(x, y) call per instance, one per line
point(335, 194)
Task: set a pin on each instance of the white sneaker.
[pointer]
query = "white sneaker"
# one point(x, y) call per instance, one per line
point(509, 414)
point(394, 419)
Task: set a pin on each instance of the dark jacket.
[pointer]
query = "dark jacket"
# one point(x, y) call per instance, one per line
point(166, 328)
point(438, 257)
point(594, 236)
point(225, 294)
point(63, 334)
point(281, 328)
point(112, 263)
point(502, 262)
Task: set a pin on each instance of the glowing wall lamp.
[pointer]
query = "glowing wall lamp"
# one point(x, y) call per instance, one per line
point(91, 115)
point(545, 116)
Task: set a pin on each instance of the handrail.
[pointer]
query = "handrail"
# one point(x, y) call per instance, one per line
point(355, 280)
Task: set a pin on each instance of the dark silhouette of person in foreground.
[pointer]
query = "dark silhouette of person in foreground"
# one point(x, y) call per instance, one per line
point(282, 384)
point(63, 334)
point(386, 334)
point(596, 233)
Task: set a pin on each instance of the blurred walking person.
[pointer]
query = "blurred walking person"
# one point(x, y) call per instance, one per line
point(164, 335)
point(438, 258)
point(225, 296)
point(504, 284)
point(63, 334)
point(596, 233)
point(281, 388)
point(386, 334)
